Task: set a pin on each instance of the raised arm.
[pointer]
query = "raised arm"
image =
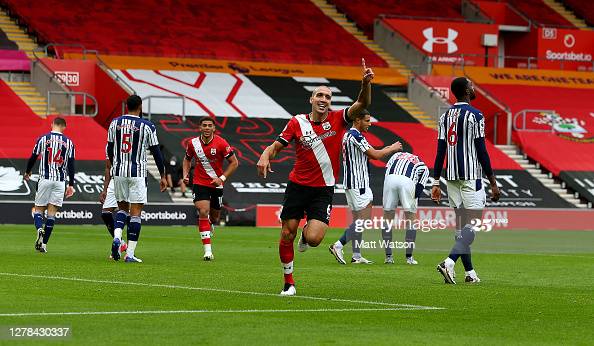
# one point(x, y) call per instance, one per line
point(378, 154)
point(364, 98)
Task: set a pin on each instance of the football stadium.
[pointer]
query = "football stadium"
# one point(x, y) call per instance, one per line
point(297, 172)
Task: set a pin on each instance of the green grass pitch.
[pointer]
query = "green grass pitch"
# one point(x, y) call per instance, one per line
point(537, 288)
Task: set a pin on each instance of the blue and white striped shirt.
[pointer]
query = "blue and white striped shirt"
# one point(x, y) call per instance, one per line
point(355, 164)
point(408, 165)
point(131, 137)
point(459, 127)
point(57, 152)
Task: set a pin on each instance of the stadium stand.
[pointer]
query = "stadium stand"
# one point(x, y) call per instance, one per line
point(21, 127)
point(573, 140)
point(14, 60)
point(365, 12)
point(6, 43)
point(502, 13)
point(583, 9)
point(540, 13)
point(230, 31)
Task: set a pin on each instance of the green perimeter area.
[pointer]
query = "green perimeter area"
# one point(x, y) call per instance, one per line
point(536, 289)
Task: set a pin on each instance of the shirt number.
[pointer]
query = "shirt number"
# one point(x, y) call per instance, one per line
point(57, 158)
point(452, 135)
point(126, 144)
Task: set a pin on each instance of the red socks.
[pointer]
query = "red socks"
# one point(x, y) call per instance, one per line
point(204, 228)
point(286, 252)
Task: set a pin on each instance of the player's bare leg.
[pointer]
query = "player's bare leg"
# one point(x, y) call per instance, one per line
point(204, 227)
point(215, 218)
point(287, 254)
point(38, 222)
point(314, 232)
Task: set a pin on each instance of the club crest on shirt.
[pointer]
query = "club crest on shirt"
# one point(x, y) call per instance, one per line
point(213, 151)
point(326, 126)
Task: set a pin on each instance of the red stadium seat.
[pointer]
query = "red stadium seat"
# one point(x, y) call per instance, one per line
point(296, 32)
point(365, 12)
point(540, 13)
point(584, 9)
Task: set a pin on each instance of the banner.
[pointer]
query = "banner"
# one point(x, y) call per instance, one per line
point(14, 60)
point(444, 218)
point(88, 182)
point(515, 76)
point(566, 49)
point(445, 42)
point(383, 75)
point(581, 182)
point(80, 213)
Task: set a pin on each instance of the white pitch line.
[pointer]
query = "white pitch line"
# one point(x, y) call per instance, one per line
point(410, 306)
point(155, 312)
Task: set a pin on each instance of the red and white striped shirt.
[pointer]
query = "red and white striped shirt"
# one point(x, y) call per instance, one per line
point(317, 147)
point(209, 158)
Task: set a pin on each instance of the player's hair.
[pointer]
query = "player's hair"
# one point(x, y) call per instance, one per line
point(313, 92)
point(206, 118)
point(361, 114)
point(134, 102)
point(459, 86)
point(59, 122)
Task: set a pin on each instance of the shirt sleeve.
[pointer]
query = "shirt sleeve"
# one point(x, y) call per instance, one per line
point(422, 174)
point(37, 147)
point(226, 149)
point(361, 143)
point(189, 151)
point(479, 126)
point(152, 135)
point(288, 133)
point(345, 117)
point(441, 132)
point(111, 132)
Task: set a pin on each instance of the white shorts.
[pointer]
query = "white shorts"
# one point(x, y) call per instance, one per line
point(357, 200)
point(399, 188)
point(110, 200)
point(50, 192)
point(468, 194)
point(130, 189)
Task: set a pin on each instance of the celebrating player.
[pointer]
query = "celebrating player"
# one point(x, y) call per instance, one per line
point(317, 137)
point(210, 151)
point(461, 138)
point(128, 138)
point(404, 181)
point(57, 160)
point(356, 153)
